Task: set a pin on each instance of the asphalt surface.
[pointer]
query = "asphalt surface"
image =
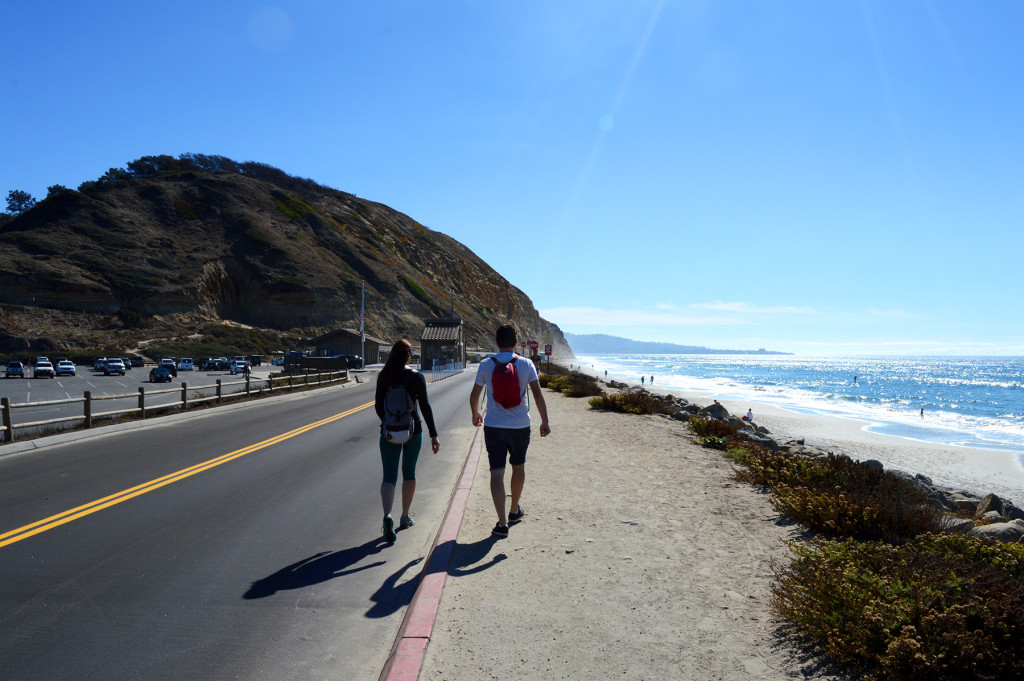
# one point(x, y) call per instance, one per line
point(241, 542)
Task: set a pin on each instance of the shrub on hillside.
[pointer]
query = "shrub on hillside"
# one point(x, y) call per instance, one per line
point(841, 497)
point(572, 384)
point(941, 607)
point(631, 403)
point(702, 427)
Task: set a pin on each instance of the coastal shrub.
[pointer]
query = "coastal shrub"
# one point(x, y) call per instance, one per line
point(631, 403)
point(841, 497)
point(715, 442)
point(702, 427)
point(942, 607)
point(572, 384)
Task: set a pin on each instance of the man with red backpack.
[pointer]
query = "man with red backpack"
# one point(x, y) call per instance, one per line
point(506, 377)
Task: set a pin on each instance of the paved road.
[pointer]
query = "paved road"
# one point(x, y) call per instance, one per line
point(267, 564)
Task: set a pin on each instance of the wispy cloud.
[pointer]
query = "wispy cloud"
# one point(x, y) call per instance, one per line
point(595, 316)
point(747, 308)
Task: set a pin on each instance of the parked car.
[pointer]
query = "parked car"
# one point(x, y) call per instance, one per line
point(65, 367)
point(220, 364)
point(239, 366)
point(40, 360)
point(99, 364)
point(138, 361)
point(15, 369)
point(44, 369)
point(352, 361)
point(256, 360)
point(185, 364)
point(127, 363)
point(160, 374)
point(113, 366)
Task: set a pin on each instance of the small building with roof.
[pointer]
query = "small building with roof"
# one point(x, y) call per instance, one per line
point(442, 342)
point(347, 342)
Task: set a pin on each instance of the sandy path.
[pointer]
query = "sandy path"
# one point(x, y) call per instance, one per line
point(639, 558)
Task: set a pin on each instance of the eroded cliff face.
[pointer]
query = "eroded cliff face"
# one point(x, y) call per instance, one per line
point(268, 251)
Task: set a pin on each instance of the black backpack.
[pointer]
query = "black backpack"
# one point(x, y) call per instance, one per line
point(398, 413)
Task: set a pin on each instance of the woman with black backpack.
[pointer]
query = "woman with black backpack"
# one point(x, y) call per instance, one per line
point(399, 390)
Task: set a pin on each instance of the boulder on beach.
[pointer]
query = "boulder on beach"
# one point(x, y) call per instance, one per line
point(990, 503)
point(714, 411)
point(1007, 533)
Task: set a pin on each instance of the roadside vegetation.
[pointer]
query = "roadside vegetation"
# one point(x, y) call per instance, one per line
point(878, 588)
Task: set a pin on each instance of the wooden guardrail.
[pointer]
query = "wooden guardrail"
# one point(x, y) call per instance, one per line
point(270, 384)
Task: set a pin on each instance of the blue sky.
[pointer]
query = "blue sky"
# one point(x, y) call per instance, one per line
point(812, 177)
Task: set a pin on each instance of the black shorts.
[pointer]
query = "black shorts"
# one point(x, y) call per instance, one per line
point(510, 442)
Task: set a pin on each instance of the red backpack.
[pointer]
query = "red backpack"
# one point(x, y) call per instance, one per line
point(505, 381)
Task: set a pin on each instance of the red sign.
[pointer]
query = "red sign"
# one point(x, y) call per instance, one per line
point(534, 345)
point(547, 350)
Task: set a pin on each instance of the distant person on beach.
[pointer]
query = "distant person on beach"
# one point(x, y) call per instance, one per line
point(652, 379)
point(922, 412)
point(642, 380)
point(749, 416)
point(507, 429)
point(397, 373)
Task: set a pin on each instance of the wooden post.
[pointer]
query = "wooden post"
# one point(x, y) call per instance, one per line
point(220, 392)
point(247, 386)
point(88, 409)
point(142, 401)
point(184, 396)
point(5, 407)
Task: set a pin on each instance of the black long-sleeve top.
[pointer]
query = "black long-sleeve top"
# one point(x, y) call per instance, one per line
point(416, 384)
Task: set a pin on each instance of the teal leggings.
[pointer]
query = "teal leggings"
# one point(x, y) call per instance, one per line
point(408, 453)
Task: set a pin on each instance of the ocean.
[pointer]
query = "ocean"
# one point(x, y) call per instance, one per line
point(967, 401)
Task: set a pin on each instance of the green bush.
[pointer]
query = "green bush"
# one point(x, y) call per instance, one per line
point(941, 607)
point(843, 498)
point(702, 427)
point(572, 384)
point(631, 403)
point(715, 442)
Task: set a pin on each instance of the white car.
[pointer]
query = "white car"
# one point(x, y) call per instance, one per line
point(65, 367)
point(238, 366)
point(114, 366)
point(185, 364)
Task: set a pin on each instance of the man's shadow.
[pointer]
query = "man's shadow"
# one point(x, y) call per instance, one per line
point(392, 595)
point(320, 567)
point(448, 556)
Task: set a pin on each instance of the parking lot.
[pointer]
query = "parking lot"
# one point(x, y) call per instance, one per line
point(31, 389)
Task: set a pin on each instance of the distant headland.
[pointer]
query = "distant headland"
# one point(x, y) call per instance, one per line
point(603, 344)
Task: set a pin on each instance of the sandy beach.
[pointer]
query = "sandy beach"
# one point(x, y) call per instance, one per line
point(975, 470)
point(639, 558)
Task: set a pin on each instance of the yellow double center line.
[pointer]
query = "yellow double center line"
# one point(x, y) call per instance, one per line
point(114, 499)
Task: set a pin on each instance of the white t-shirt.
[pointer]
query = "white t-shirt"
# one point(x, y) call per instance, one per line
point(498, 416)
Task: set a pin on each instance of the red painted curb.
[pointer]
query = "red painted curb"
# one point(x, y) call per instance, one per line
point(407, 655)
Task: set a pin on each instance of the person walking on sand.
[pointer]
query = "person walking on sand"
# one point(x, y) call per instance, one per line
point(642, 378)
point(401, 448)
point(507, 427)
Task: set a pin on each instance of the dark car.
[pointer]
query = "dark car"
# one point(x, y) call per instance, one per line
point(160, 375)
point(352, 361)
point(15, 369)
point(138, 362)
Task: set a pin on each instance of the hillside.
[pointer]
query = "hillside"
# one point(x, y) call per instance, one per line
point(178, 248)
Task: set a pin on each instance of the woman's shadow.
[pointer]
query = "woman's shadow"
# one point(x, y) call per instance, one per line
point(320, 567)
